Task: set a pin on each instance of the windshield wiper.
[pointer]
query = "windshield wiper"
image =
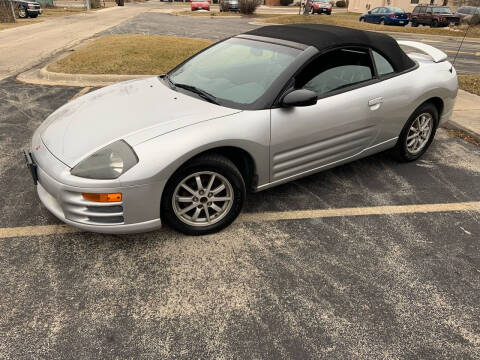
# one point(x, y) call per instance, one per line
point(205, 95)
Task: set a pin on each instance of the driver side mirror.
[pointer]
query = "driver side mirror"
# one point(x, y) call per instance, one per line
point(301, 97)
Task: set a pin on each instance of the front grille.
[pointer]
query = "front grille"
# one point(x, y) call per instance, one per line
point(106, 220)
point(106, 209)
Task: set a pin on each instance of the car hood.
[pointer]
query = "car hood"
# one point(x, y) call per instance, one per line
point(135, 111)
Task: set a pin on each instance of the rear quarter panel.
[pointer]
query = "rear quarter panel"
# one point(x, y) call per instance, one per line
point(404, 93)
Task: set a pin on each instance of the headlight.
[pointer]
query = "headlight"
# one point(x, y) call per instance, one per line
point(107, 163)
point(31, 6)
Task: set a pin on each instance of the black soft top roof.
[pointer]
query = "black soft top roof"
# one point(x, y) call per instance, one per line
point(326, 37)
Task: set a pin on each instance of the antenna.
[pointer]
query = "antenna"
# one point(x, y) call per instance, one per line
point(464, 36)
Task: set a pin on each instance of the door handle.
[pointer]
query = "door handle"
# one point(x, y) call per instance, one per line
point(375, 101)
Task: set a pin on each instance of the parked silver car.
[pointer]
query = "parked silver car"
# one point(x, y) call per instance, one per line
point(248, 113)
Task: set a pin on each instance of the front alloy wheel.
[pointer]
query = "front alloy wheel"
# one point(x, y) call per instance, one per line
point(22, 13)
point(203, 196)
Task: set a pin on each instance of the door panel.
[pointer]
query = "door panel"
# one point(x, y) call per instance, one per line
point(337, 127)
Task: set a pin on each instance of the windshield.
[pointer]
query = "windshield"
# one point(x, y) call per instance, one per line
point(442, 10)
point(236, 70)
point(396, 10)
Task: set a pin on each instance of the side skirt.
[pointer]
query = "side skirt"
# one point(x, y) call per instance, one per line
point(384, 145)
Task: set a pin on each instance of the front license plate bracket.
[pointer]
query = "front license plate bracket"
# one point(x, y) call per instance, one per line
point(32, 166)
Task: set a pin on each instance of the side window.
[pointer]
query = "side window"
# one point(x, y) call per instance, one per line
point(335, 70)
point(416, 10)
point(382, 64)
point(374, 11)
point(382, 11)
point(429, 10)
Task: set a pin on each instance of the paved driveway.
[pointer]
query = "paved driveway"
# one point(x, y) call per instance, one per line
point(383, 285)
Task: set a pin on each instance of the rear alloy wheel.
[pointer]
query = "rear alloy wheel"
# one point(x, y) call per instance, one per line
point(382, 22)
point(417, 134)
point(204, 196)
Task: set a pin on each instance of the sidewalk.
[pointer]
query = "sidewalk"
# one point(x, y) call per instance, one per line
point(466, 114)
point(23, 47)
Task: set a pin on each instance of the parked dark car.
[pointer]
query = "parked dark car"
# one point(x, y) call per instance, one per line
point(386, 15)
point(320, 7)
point(435, 16)
point(24, 9)
point(229, 5)
point(468, 10)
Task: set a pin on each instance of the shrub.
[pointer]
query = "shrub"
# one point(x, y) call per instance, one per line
point(340, 4)
point(248, 7)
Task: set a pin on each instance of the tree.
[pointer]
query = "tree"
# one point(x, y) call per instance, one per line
point(7, 14)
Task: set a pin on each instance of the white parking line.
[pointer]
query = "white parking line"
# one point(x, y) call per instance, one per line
point(42, 230)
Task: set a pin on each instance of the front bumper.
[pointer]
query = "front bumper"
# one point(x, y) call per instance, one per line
point(34, 11)
point(67, 204)
point(61, 193)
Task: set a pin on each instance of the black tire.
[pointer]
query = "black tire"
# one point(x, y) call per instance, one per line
point(414, 23)
point(382, 22)
point(329, 13)
point(434, 24)
point(212, 163)
point(400, 151)
point(361, 19)
point(33, 15)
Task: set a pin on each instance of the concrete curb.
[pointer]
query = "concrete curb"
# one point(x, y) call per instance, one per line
point(42, 76)
point(452, 125)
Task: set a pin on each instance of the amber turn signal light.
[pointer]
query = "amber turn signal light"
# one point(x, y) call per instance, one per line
point(115, 197)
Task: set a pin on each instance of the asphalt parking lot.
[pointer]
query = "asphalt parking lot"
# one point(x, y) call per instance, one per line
point(281, 282)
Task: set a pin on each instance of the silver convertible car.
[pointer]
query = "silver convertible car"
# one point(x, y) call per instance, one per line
point(247, 113)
